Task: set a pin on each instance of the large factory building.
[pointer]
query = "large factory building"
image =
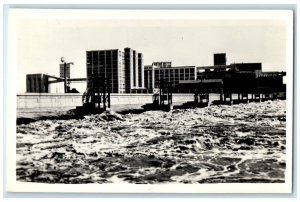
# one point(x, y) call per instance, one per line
point(245, 74)
point(241, 77)
point(39, 83)
point(163, 71)
point(124, 69)
point(127, 74)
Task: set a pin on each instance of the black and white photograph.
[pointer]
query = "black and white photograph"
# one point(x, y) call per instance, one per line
point(150, 100)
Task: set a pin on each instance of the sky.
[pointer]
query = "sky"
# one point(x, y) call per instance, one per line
point(41, 42)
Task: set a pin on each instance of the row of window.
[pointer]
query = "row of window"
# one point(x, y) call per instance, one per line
point(111, 52)
point(176, 71)
point(178, 76)
point(115, 72)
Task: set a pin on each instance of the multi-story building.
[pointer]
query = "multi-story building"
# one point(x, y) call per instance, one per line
point(174, 75)
point(164, 72)
point(221, 69)
point(124, 69)
point(208, 72)
point(241, 77)
point(159, 71)
point(106, 64)
point(162, 64)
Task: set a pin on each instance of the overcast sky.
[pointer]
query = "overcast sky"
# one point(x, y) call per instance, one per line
point(42, 42)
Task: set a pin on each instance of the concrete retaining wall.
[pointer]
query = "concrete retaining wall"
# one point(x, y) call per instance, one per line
point(70, 100)
point(39, 101)
point(47, 100)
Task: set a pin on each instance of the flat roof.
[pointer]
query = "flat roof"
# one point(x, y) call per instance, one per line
point(103, 50)
point(214, 67)
point(163, 62)
point(177, 67)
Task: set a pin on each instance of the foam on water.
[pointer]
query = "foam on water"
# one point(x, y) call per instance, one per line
point(238, 143)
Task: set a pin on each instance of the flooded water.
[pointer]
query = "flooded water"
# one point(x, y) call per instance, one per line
point(217, 144)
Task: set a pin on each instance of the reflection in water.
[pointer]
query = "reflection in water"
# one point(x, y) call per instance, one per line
point(238, 143)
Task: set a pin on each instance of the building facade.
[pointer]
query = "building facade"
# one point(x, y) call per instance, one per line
point(247, 67)
point(62, 71)
point(174, 75)
point(134, 67)
point(37, 83)
point(221, 69)
point(141, 72)
point(163, 71)
point(162, 64)
point(125, 69)
point(149, 78)
point(106, 64)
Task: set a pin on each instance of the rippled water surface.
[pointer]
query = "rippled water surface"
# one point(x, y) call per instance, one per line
point(216, 144)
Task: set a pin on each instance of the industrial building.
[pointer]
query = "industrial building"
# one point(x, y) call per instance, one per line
point(154, 74)
point(125, 72)
point(162, 64)
point(221, 69)
point(173, 75)
point(134, 71)
point(67, 70)
point(109, 64)
point(40, 83)
point(207, 72)
point(235, 77)
point(239, 78)
point(124, 69)
point(149, 78)
point(37, 83)
point(140, 71)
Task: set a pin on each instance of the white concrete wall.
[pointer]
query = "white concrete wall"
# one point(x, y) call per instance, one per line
point(48, 100)
point(69, 100)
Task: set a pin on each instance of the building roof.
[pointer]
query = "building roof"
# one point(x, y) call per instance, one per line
point(247, 66)
point(213, 67)
point(177, 67)
point(103, 50)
